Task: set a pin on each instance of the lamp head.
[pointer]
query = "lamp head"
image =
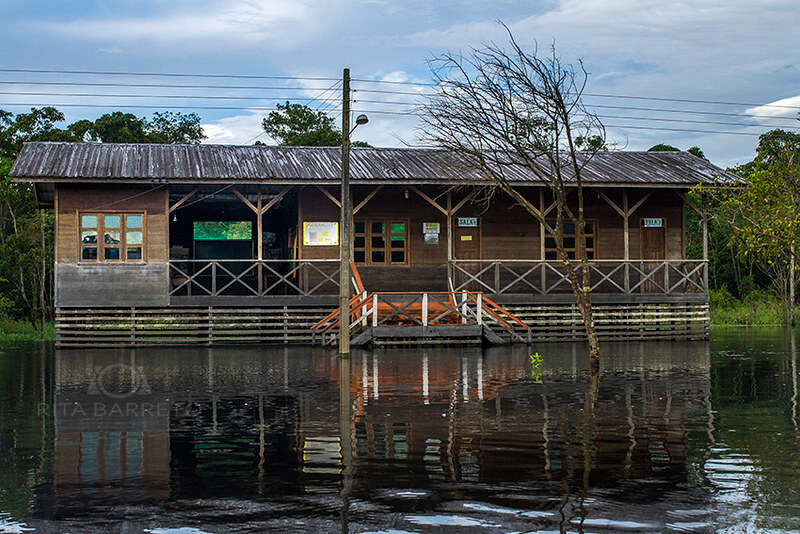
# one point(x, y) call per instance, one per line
point(362, 119)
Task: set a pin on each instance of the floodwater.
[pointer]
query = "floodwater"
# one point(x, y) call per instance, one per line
point(672, 437)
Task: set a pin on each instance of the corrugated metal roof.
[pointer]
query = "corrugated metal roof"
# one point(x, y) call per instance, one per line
point(85, 162)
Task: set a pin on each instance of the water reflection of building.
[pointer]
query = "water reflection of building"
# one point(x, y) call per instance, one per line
point(228, 422)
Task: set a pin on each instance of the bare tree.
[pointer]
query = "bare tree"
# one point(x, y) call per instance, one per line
point(501, 111)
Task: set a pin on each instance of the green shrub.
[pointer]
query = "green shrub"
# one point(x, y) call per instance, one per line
point(759, 307)
point(14, 330)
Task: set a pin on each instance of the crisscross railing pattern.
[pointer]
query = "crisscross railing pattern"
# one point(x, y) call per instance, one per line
point(253, 277)
point(543, 277)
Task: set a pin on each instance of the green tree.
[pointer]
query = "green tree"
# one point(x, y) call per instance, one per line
point(765, 213)
point(299, 125)
point(162, 128)
point(663, 148)
point(38, 125)
point(174, 128)
point(26, 233)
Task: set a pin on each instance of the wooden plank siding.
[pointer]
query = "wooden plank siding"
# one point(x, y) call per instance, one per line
point(106, 283)
point(507, 231)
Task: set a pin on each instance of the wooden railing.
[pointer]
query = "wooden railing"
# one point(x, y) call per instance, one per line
point(420, 309)
point(258, 278)
point(497, 277)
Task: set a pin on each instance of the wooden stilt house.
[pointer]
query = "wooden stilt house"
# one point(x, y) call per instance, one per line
point(214, 244)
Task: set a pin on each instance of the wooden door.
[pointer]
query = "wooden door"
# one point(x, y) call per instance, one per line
point(467, 246)
point(653, 247)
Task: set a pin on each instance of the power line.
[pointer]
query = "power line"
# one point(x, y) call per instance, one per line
point(169, 74)
point(139, 106)
point(201, 97)
point(165, 86)
point(596, 95)
point(632, 108)
point(606, 125)
point(324, 78)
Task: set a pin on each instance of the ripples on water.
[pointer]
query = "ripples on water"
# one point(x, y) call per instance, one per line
point(675, 437)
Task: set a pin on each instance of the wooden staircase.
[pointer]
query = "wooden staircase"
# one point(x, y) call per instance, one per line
point(422, 318)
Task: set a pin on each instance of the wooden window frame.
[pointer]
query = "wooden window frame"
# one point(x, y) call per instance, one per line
point(594, 235)
point(387, 235)
point(123, 229)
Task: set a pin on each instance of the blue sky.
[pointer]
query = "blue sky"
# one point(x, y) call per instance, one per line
point(716, 50)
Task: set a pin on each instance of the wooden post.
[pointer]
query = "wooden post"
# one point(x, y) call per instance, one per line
point(543, 274)
point(364, 309)
point(374, 310)
point(344, 223)
point(424, 309)
point(464, 307)
point(450, 240)
point(479, 308)
point(705, 245)
point(626, 240)
point(260, 242)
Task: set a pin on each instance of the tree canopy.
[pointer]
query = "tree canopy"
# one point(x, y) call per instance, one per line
point(115, 127)
point(299, 125)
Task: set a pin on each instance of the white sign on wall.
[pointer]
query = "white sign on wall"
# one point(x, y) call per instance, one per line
point(430, 228)
point(653, 223)
point(320, 234)
point(468, 222)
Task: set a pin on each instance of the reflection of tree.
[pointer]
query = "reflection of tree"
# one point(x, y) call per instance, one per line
point(25, 428)
point(223, 230)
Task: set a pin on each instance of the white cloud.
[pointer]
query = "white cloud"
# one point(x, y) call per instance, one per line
point(236, 130)
point(279, 22)
point(785, 107)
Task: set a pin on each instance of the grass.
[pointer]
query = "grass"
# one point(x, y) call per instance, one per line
point(15, 330)
point(758, 308)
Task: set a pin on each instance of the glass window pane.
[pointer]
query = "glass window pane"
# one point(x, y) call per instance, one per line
point(359, 241)
point(133, 238)
point(89, 253)
point(134, 253)
point(589, 228)
point(111, 238)
point(550, 255)
point(571, 254)
point(398, 241)
point(569, 228)
point(590, 254)
point(398, 228)
point(589, 242)
point(377, 227)
point(378, 256)
point(111, 253)
point(398, 256)
point(378, 241)
point(89, 238)
point(111, 221)
point(89, 221)
point(358, 227)
point(549, 242)
point(569, 242)
point(133, 221)
point(359, 256)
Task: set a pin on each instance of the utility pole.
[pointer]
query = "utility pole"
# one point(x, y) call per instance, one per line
point(344, 224)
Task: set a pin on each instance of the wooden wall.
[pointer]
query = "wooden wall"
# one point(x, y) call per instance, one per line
point(107, 284)
point(507, 230)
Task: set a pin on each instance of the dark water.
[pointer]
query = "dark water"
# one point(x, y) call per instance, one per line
point(674, 437)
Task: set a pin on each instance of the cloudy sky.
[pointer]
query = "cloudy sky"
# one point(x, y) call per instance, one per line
point(667, 55)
